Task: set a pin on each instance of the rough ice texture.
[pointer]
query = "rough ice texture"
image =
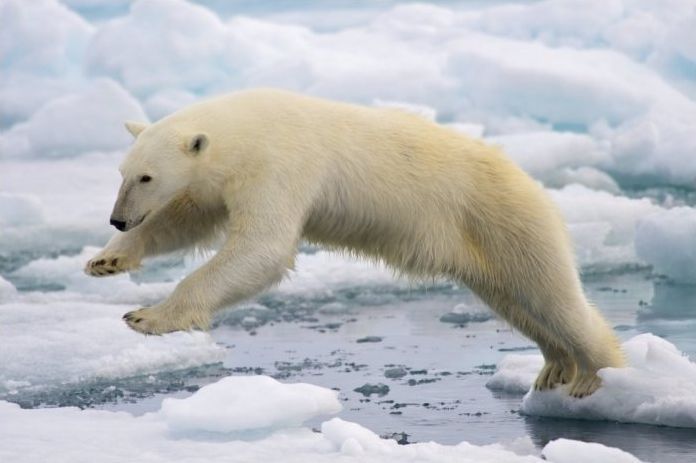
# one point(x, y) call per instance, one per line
point(667, 240)
point(237, 420)
point(248, 403)
point(610, 88)
point(602, 225)
point(73, 333)
point(657, 387)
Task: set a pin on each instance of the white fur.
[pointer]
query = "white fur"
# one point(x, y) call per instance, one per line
point(277, 167)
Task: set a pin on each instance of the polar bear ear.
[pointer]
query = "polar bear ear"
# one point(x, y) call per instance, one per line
point(197, 144)
point(135, 128)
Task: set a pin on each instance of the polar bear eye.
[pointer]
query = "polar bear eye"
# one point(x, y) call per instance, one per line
point(145, 179)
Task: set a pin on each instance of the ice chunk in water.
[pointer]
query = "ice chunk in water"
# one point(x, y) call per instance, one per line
point(657, 387)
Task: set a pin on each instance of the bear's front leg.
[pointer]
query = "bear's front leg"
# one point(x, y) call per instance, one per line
point(122, 253)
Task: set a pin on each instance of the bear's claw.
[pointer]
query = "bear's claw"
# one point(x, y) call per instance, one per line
point(584, 384)
point(102, 266)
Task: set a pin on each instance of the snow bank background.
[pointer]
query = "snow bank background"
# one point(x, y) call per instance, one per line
point(599, 94)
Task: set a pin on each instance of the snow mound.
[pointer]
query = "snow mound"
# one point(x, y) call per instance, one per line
point(657, 387)
point(248, 403)
point(516, 372)
point(19, 209)
point(161, 44)
point(89, 120)
point(665, 239)
point(75, 436)
point(572, 451)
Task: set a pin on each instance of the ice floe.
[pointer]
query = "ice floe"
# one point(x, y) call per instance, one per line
point(657, 387)
point(239, 419)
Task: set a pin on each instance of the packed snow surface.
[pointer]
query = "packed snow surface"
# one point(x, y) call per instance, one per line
point(237, 419)
point(657, 387)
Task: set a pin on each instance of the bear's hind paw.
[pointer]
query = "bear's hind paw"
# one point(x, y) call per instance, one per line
point(584, 384)
point(553, 374)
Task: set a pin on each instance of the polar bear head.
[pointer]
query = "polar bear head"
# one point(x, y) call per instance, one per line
point(158, 168)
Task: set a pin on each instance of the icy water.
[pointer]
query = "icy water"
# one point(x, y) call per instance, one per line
point(406, 365)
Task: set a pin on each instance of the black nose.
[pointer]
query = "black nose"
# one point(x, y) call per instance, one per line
point(118, 224)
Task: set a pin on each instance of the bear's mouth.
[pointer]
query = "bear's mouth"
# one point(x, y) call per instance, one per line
point(139, 221)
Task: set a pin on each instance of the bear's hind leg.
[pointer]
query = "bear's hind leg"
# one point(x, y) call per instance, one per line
point(600, 349)
point(559, 367)
point(589, 342)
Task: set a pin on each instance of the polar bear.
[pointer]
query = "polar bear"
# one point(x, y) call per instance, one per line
point(263, 169)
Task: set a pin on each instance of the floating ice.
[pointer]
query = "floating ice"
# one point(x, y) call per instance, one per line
point(324, 271)
point(516, 373)
point(49, 341)
point(248, 403)
point(546, 155)
point(572, 451)
point(657, 387)
point(602, 225)
point(667, 240)
point(221, 422)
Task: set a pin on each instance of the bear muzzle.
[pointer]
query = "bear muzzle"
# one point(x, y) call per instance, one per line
point(119, 224)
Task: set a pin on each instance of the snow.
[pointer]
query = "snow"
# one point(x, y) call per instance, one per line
point(570, 451)
point(75, 123)
point(236, 419)
point(615, 83)
point(248, 403)
point(665, 239)
point(516, 373)
point(73, 333)
point(602, 225)
point(657, 387)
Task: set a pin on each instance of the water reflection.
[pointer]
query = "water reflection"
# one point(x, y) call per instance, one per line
point(648, 443)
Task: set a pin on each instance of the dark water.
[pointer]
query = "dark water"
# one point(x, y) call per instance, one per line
point(427, 377)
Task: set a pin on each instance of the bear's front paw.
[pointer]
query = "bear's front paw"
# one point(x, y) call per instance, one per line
point(109, 264)
point(159, 320)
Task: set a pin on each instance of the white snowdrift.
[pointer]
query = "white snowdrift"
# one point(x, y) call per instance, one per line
point(207, 428)
point(248, 403)
point(657, 387)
